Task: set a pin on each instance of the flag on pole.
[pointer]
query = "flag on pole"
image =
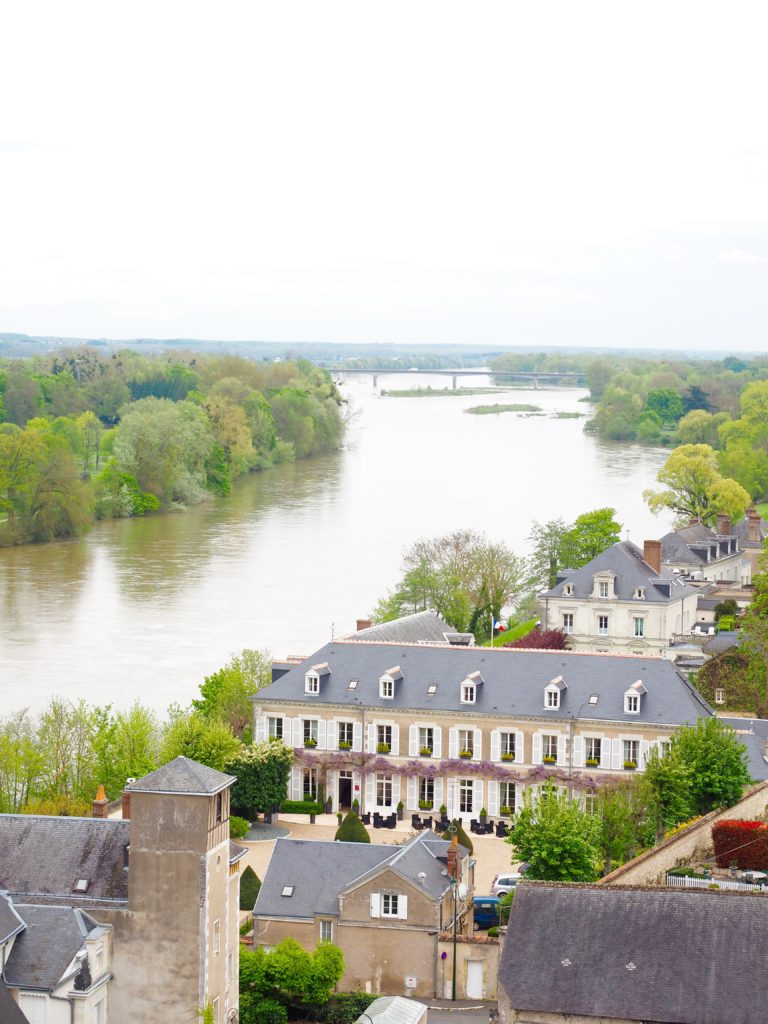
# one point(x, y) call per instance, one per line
point(498, 625)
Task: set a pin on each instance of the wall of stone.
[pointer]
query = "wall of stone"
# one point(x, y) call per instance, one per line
point(468, 948)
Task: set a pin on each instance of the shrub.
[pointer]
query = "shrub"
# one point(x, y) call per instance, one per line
point(461, 835)
point(238, 827)
point(745, 842)
point(301, 807)
point(255, 1010)
point(352, 830)
point(344, 1008)
point(493, 932)
point(250, 884)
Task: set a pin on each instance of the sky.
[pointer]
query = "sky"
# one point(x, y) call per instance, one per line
point(554, 173)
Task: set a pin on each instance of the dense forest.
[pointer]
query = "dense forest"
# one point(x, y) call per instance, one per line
point(87, 435)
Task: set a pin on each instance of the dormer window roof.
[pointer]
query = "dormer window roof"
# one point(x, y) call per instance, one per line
point(387, 682)
point(633, 696)
point(553, 693)
point(315, 675)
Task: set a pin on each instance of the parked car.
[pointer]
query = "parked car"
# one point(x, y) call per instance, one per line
point(505, 883)
point(486, 911)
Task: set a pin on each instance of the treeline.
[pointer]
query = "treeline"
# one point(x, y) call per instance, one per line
point(85, 436)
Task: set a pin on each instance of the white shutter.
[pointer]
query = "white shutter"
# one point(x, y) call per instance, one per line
point(477, 753)
point(395, 790)
point(413, 741)
point(357, 736)
point(34, 1007)
point(297, 739)
point(437, 734)
point(453, 742)
point(322, 732)
point(616, 758)
point(395, 748)
point(493, 798)
point(645, 747)
point(439, 798)
point(412, 800)
point(261, 729)
point(578, 751)
point(375, 904)
point(605, 753)
point(477, 796)
point(370, 792)
point(537, 748)
point(495, 745)
point(297, 787)
point(519, 747)
point(371, 739)
point(402, 908)
point(333, 735)
point(561, 750)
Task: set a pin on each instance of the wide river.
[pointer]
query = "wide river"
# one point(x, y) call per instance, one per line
point(143, 609)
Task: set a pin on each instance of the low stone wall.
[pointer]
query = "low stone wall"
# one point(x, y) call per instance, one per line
point(478, 947)
point(694, 843)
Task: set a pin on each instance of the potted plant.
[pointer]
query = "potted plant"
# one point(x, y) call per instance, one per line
point(507, 757)
point(629, 766)
point(483, 815)
point(443, 811)
point(505, 811)
point(592, 762)
point(382, 748)
point(426, 752)
point(549, 759)
point(339, 817)
point(356, 806)
point(345, 745)
point(425, 805)
point(400, 809)
point(328, 805)
point(466, 754)
point(312, 817)
point(310, 742)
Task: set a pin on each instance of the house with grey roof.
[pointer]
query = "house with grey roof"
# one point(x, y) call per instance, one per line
point(579, 953)
point(425, 627)
point(382, 905)
point(468, 728)
point(702, 553)
point(107, 920)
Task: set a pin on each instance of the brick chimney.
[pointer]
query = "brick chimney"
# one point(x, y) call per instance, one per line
point(125, 802)
point(363, 624)
point(723, 524)
point(454, 858)
point(753, 526)
point(101, 804)
point(652, 554)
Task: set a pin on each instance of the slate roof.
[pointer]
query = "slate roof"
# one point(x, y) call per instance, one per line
point(184, 776)
point(10, 922)
point(421, 627)
point(320, 871)
point(44, 856)
point(741, 529)
point(673, 955)
point(514, 682)
point(625, 561)
point(676, 546)
point(753, 733)
point(43, 951)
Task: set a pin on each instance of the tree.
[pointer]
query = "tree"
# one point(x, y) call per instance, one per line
point(718, 762)
point(352, 830)
point(192, 736)
point(547, 554)
point(20, 761)
point(559, 840)
point(288, 974)
point(623, 815)
point(226, 694)
point(261, 770)
point(755, 640)
point(590, 535)
point(667, 781)
point(250, 886)
point(695, 486)
point(666, 403)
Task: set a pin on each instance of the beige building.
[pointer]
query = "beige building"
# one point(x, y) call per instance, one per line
point(468, 728)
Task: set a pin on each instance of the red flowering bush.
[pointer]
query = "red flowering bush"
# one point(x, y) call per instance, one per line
point(744, 843)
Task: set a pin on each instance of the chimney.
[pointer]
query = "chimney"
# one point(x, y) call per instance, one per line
point(753, 526)
point(454, 858)
point(723, 524)
point(363, 624)
point(694, 521)
point(101, 804)
point(126, 804)
point(652, 554)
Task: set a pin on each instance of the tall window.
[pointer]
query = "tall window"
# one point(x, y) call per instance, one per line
point(631, 703)
point(552, 698)
point(326, 931)
point(592, 750)
point(602, 589)
point(384, 738)
point(631, 748)
point(345, 735)
point(602, 625)
point(549, 748)
point(568, 589)
point(426, 791)
point(466, 796)
point(311, 683)
point(507, 796)
point(389, 904)
point(383, 790)
point(467, 693)
point(310, 731)
point(507, 743)
point(309, 783)
point(639, 622)
point(568, 622)
point(426, 738)
point(466, 741)
point(275, 728)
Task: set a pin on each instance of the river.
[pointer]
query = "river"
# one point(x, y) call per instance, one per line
point(143, 609)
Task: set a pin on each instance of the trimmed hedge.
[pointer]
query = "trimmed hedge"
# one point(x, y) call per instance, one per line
point(344, 1008)
point(461, 835)
point(301, 807)
point(744, 843)
point(250, 884)
point(352, 830)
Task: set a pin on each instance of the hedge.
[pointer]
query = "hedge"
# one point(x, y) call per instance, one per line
point(744, 843)
point(301, 807)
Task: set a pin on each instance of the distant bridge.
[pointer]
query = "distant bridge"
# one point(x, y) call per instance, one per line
point(576, 377)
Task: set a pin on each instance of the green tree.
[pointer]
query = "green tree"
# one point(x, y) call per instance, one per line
point(718, 762)
point(695, 486)
point(590, 535)
point(261, 770)
point(20, 761)
point(192, 736)
point(352, 830)
point(226, 694)
point(666, 403)
point(546, 559)
point(288, 974)
point(668, 782)
point(559, 840)
point(623, 817)
point(250, 886)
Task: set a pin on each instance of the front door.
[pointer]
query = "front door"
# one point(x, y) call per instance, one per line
point(345, 791)
point(474, 979)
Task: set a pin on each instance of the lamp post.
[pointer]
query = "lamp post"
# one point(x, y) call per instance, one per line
point(454, 887)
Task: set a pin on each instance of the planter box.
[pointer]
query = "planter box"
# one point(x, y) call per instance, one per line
point(630, 766)
point(382, 748)
point(549, 760)
point(345, 746)
point(424, 806)
point(425, 752)
point(465, 755)
point(592, 763)
point(507, 757)
point(310, 743)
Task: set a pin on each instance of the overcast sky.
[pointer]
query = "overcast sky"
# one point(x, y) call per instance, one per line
point(553, 173)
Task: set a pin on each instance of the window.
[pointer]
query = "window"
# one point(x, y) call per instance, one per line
point(568, 622)
point(507, 745)
point(602, 625)
point(639, 625)
point(631, 748)
point(383, 738)
point(326, 931)
point(602, 588)
point(383, 790)
point(217, 937)
point(719, 696)
point(426, 792)
point(309, 726)
point(386, 689)
point(345, 735)
point(551, 698)
point(275, 728)
point(352, 684)
point(507, 796)
point(631, 703)
point(568, 590)
point(549, 749)
point(467, 693)
point(98, 961)
point(590, 801)
point(389, 904)
point(311, 683)
point(593, 748)
point(640, 594)
point(466, 796)
point(466, 741)
point(309, 783)
point(426, 739)
point(432, 689)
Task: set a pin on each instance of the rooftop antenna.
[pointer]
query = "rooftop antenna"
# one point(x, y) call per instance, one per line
point(333, 631)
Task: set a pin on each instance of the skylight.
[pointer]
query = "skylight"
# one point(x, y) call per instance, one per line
point(287, 890)
point(352, 684)
point(593, 698)
point(431, 689)
point(81, 885)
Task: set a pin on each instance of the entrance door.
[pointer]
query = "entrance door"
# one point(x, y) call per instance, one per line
point(474, 979)
point(345, 791)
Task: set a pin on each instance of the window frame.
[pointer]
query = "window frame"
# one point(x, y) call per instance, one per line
point(312, 683)
point(278, 722)
point(309, 782)
point(346, 731)
point(632, 703)
point(326, 925)
point(466, 796)
point(551, 699)
point(469, 740)
point(603, 589)
point(549, 746)
point(507, 742)
point(631, 750)
point(638, 625)
point(589, 749)
point(389, 904)
point(383, 783)
point(307, 730)
point(602, 625)
point(426, 789)
point(508, 789)
point(468, 693)
point(386, 688)
point(568, 622)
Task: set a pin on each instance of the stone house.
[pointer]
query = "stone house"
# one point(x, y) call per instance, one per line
point(622, 955)
point(702, 553)
point(384, 906)
point(143, 910)
point(470, 728)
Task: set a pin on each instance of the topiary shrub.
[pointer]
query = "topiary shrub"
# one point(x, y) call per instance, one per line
point(352, 830)
point(238, 827)
point(250, 884)
point(462, 836)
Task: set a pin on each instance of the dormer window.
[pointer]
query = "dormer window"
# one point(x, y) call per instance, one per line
point(552, 698)
point(568, 590)
point(311, 683)
point(640, 594)
point(552, 692)
point(468, 693)
point(632, 698)
point(386, 688)
point(602, 588)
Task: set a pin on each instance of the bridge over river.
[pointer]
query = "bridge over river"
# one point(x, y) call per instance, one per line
point(537, 378)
